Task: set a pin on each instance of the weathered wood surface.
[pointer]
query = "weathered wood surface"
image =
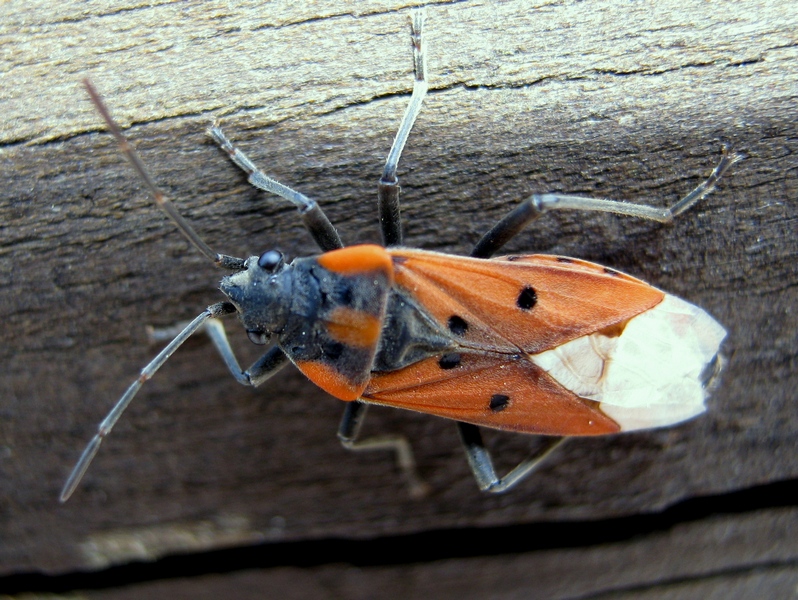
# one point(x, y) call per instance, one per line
point(745, 556)
point(608, 99)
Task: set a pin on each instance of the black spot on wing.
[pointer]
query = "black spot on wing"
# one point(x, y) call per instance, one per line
point(498, 402)
point(527, 298)
point(449, 361)
point(457, 325)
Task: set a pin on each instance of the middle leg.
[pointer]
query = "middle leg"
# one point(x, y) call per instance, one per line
point(388, 190)
point(348, 432)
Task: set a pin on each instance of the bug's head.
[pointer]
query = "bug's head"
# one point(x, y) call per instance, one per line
point(262, 294)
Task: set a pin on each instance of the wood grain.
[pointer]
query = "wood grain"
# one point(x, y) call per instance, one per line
point(628, 101)
point(740, 557)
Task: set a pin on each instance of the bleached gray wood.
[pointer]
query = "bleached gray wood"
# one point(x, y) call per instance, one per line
point(629, 101)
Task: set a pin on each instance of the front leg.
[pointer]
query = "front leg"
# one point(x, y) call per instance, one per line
point(261, 370)
point(313, 217)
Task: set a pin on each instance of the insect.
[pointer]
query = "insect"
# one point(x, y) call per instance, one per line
point(536, 344)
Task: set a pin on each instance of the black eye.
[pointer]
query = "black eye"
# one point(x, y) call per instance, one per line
point(270, 260)
point(256, 336)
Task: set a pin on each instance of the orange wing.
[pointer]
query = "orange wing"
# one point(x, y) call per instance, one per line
point(503, 392)
point(527, 303)
point(500, 311)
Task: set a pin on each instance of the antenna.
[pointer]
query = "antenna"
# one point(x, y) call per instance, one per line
point(107, 424)
point(222, 260)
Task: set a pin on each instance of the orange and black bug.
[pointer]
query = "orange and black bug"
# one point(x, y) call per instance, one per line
point(535, 344)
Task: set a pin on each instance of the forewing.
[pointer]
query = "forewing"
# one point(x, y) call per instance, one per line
point(527, 303)
point(504, 392)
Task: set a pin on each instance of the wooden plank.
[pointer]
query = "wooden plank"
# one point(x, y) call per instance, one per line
point(608, 99)
point(737, 556)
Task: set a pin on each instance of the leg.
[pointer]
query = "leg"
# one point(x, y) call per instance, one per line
point(316, 222)
point(349, 429)
point(536, 205)
point(261, 370)
point(482, 465)
point(509, 227)
point(391, 225)
point(388, 191)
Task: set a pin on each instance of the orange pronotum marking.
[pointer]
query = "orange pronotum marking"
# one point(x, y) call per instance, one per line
point(356, 260)
point(354, 327)
point(331, 381)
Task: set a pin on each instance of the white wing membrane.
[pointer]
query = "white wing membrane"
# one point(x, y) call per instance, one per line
point(650, 375)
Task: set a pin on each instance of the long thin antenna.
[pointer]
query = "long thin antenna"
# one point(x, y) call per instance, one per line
point(107, 424)
point(227, 262)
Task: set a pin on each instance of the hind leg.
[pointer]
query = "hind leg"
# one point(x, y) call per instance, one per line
point(511, 225)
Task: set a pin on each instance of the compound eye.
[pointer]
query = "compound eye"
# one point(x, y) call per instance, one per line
point(270, 260)
point(256, 336)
